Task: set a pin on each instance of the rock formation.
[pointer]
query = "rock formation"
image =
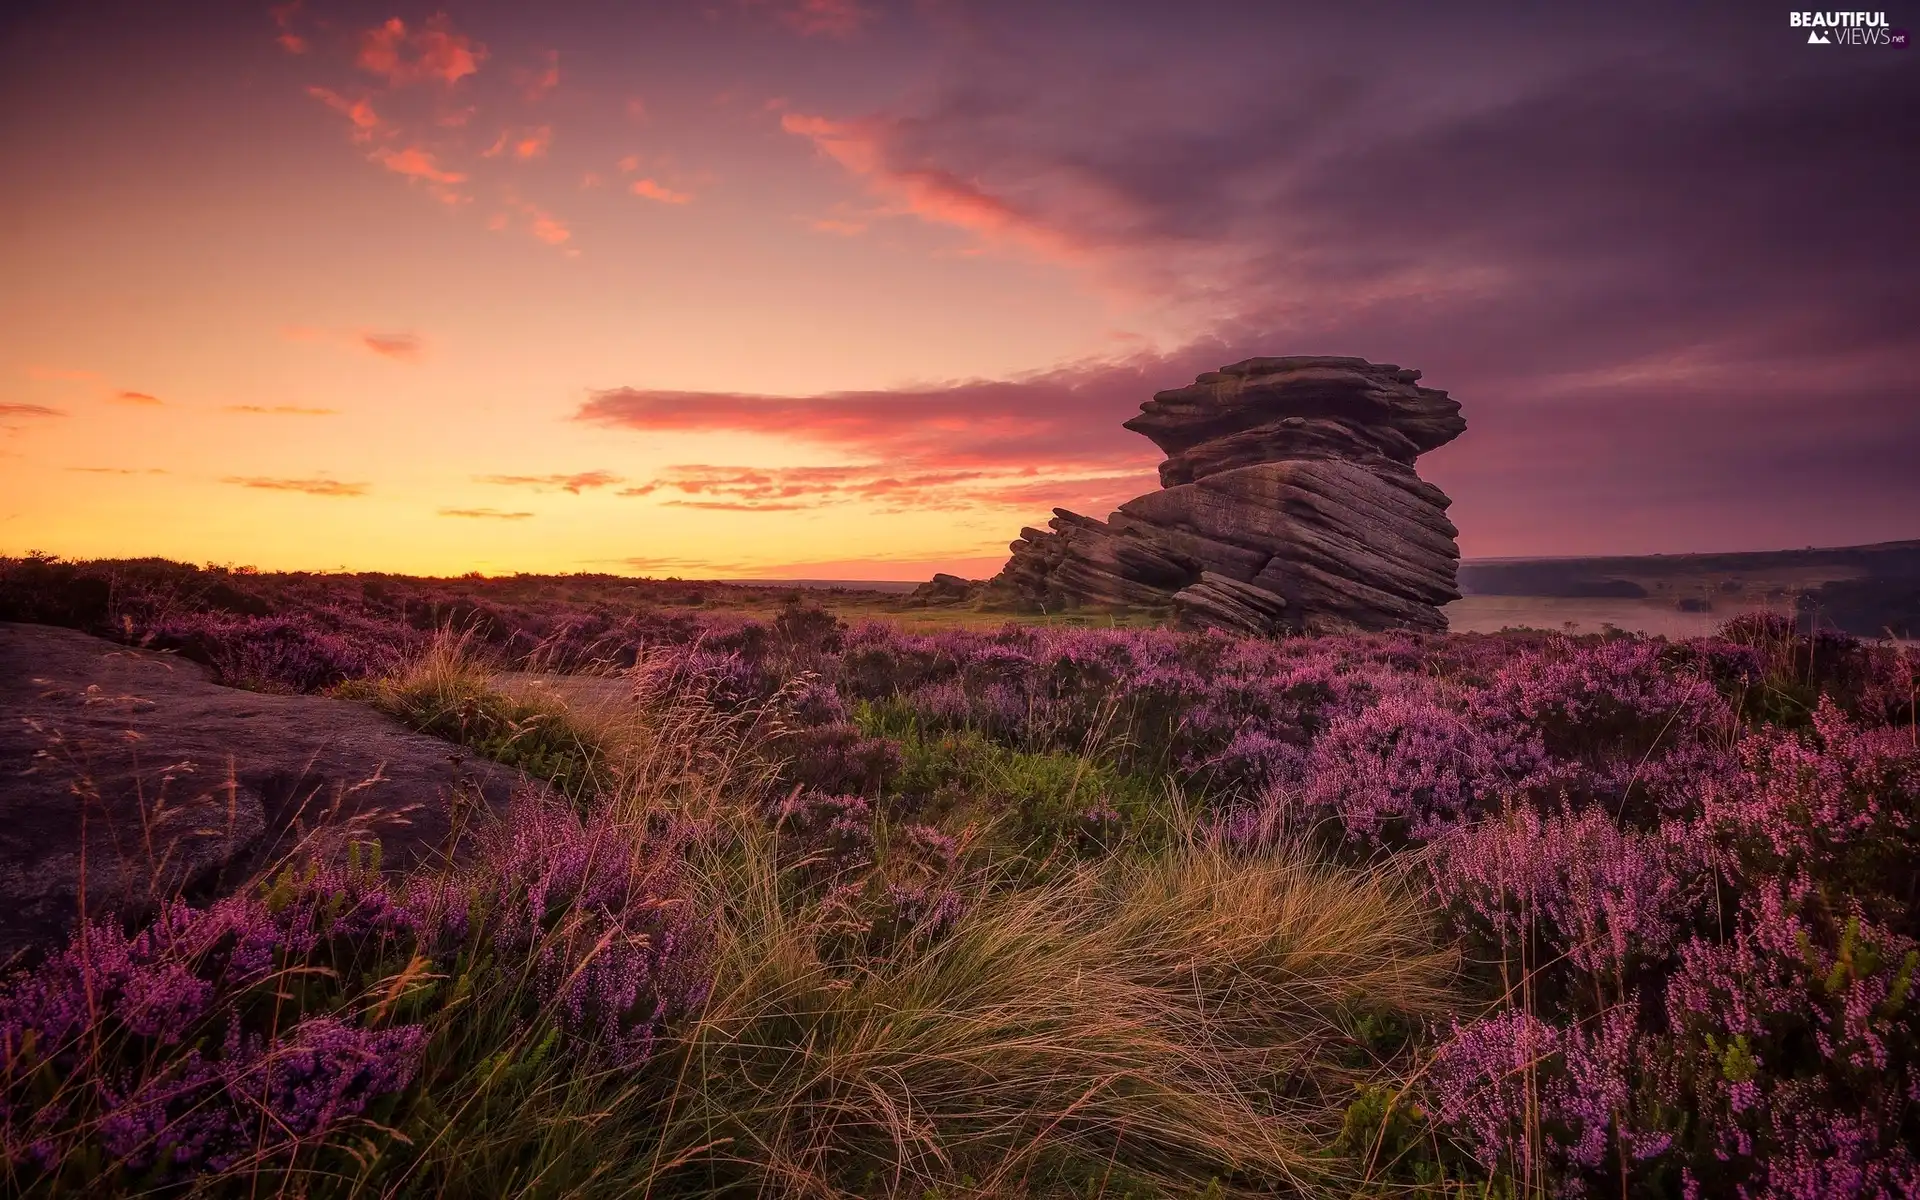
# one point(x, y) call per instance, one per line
point(1288, 501)
point(125, 775)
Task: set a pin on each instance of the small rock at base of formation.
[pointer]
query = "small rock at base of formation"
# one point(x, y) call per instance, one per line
point(128, 776)
point(946, 589)
point(1289, 502)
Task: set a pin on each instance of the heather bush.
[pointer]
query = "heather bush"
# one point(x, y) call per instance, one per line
point(862, 911)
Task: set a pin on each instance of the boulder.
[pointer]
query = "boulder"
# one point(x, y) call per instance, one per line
point(1286, 478)
point(127, 776)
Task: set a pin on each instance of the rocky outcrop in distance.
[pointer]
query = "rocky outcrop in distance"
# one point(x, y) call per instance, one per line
point(1288, 502)
point(128, 776)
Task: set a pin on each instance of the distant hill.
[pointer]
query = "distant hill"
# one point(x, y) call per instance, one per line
point(1864, 590)
point(831, 585)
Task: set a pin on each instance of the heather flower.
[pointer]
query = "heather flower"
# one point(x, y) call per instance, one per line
point(1599, 895)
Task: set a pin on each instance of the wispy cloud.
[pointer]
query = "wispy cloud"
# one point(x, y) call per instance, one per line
point(401, 347)
point(535, 83)
point(575, 483)
point(817, 18)
point(1066, 419)
point(523, 145)
point(658, 191)
point(312, 487)
point(434, 52)
point(283, 15)
point(29, 410)
point(281, 410)
point(359, 112)
point(120, 470)
point(934, 194)
point(889, 489)
point(679, 566)
point(135, 398)
point(733, 506)
point(493, 514)
point(415, 162)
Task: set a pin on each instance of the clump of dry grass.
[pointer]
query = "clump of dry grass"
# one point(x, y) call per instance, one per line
point(1163, 1021)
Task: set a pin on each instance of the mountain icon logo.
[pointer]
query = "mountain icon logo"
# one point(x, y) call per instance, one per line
point(1818, 38)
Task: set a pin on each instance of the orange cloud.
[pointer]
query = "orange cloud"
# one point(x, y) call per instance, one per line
point(932, 194)
point(119, 470)
point(366, 122)
point(575, 483)
point(29, 410)
point(485, 513)
point(630, 164)
point(550, 229)
point(402, 347)
point(415, 163)
point(534, 84)
point(437, 52)
point(283, 15)
point(655, 191)
point(62, 375)
point(282, 410)
point(497, 222)
point(312, 487)
point(836, 225)
point(531, 143)
point(136, 398)
point(783, 489)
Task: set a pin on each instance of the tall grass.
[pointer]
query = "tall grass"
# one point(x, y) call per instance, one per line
point(1142, 1024)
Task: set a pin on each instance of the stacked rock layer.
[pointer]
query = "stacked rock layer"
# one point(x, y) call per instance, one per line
point(1288, 501)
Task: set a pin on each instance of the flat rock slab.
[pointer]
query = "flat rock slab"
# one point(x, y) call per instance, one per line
point(127, 775)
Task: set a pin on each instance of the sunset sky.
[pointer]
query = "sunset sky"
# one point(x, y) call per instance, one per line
point(857, 288)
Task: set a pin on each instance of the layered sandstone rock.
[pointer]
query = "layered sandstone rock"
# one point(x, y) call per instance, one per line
point(1288, 502)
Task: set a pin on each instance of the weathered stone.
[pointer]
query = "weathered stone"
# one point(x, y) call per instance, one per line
point(1289, 477)
point(126, 776)
point(1217, 602)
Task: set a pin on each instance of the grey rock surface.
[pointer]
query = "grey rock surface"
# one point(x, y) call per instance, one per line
point(127, 775)
point(1289, 501)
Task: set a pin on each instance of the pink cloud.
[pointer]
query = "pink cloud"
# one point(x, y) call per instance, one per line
point(636, 109)
point(551, 229)
point(485, 514)
point(1066, 419)
point(819, 18)
point(932, 194)
point(401, 347)
point(366, 122)
point(283, 15)
point(536, 83)
point(135, 398)
point(433, 52)
point(497, 222)
point(281, 410)
point(844, 228)
point(528, 143)
point(416, 163)
point(29, 410)
point(656, 191)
